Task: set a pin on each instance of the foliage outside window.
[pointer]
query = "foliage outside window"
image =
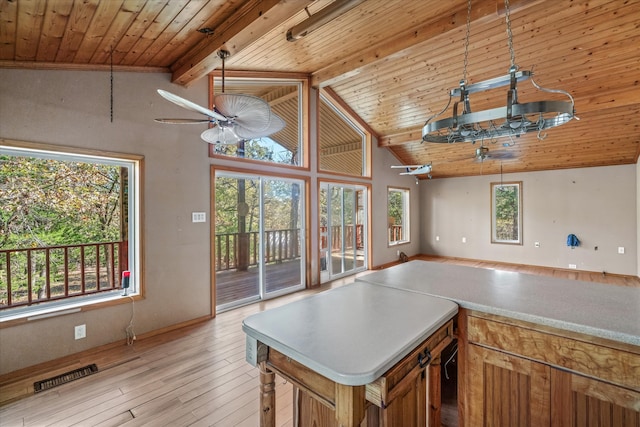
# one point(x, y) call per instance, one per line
point(285, 100)
point(68, 227)
point(342, 143)
point(506, 212)
point(398, 215)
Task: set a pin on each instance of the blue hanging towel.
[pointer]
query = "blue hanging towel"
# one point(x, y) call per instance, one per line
point(572, 241)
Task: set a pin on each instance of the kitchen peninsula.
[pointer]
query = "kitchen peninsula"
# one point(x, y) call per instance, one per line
point(536, 350)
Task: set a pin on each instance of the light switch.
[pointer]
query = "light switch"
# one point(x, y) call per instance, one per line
point(621, 249)
point(198, 217)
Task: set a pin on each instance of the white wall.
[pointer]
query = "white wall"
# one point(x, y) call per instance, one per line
point(597, 204)
point(73, 109)
point(384, 177)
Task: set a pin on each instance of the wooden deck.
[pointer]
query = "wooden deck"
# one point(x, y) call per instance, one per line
point(234, 285)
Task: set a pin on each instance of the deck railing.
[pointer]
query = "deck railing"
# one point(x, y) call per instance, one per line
point(395, 233)
point(242, 250)
point(336, 237)
point(35, 275)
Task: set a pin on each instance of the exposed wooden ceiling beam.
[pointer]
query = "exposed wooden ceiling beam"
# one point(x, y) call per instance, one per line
point(250, 22)
point(395, 48)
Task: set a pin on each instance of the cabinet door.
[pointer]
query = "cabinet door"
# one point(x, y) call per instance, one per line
point(409, 408)
point(580, 401)
point(505, 390)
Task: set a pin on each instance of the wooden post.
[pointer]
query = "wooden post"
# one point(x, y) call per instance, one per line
point(350, 405)
point(435, 393)
point(267, 396)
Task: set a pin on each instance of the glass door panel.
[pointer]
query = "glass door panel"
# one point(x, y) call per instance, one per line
point(259, 247)
point(282, 225)
point(342, 223)
point(237, 246)
point(336, 231)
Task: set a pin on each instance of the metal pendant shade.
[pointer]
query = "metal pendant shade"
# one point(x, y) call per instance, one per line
point(511, 120)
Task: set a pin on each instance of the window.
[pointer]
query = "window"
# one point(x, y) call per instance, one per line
point(506, 212)
point(343, 144)
point(285, 98)
point(69, 228)
point(398, 214)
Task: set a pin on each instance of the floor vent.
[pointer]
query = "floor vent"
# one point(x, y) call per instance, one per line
point(67, 377)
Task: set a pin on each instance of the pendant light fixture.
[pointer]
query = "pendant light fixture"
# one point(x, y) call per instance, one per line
point(512, 120)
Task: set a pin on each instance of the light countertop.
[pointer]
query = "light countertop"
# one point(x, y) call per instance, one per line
point(596, 309)
point(352, 334)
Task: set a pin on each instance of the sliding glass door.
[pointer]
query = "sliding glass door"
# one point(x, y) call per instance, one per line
point(259, 238)
point(342, 218)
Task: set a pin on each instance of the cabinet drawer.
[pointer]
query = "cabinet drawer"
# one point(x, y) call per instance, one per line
point(396, 380)
point(616, 366)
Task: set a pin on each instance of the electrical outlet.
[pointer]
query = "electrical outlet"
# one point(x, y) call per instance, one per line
point(621, 249)
point(437, 238)
point(536, 244)
point(80, 331)
point(573, 266)
point(464, 240)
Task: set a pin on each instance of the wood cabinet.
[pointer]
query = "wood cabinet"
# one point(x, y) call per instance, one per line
point(521, 374)
point(398, 398)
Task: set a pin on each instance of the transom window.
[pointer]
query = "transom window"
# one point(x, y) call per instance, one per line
point(285, 100)
point(343, 144)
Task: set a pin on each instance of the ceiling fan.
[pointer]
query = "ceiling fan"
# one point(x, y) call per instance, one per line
point(482, 154)
point(235, 117)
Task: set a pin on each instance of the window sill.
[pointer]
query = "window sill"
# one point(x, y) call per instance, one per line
point(21, 315)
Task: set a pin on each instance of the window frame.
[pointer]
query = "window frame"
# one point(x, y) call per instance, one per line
point(302, 81)
point(406, 216)
point(135, 166)
point(351, 119)
point(493, 188)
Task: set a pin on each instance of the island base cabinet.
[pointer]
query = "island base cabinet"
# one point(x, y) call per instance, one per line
point(582, 401)
point(399, 398)
point(506, 391)
point(520, 374)
point(408, 409)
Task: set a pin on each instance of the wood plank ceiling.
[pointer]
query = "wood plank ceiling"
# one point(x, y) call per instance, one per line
point(391, 61)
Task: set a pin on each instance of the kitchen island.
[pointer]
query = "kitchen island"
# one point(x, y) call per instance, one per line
point(352, 352)
point(535, 350)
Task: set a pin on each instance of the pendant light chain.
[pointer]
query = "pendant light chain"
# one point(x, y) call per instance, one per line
point(111, 85)
point(466, 43)
point(507, 16)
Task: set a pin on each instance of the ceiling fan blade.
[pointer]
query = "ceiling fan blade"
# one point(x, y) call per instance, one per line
point(185, 103)
point(502, 155)
point(248, 111)
point(275, 125)
point(182, 121)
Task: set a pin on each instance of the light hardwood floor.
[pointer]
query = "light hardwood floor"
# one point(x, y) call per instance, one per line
point(193, 376)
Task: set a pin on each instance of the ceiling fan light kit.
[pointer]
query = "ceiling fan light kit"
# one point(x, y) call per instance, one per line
point(510, 121)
